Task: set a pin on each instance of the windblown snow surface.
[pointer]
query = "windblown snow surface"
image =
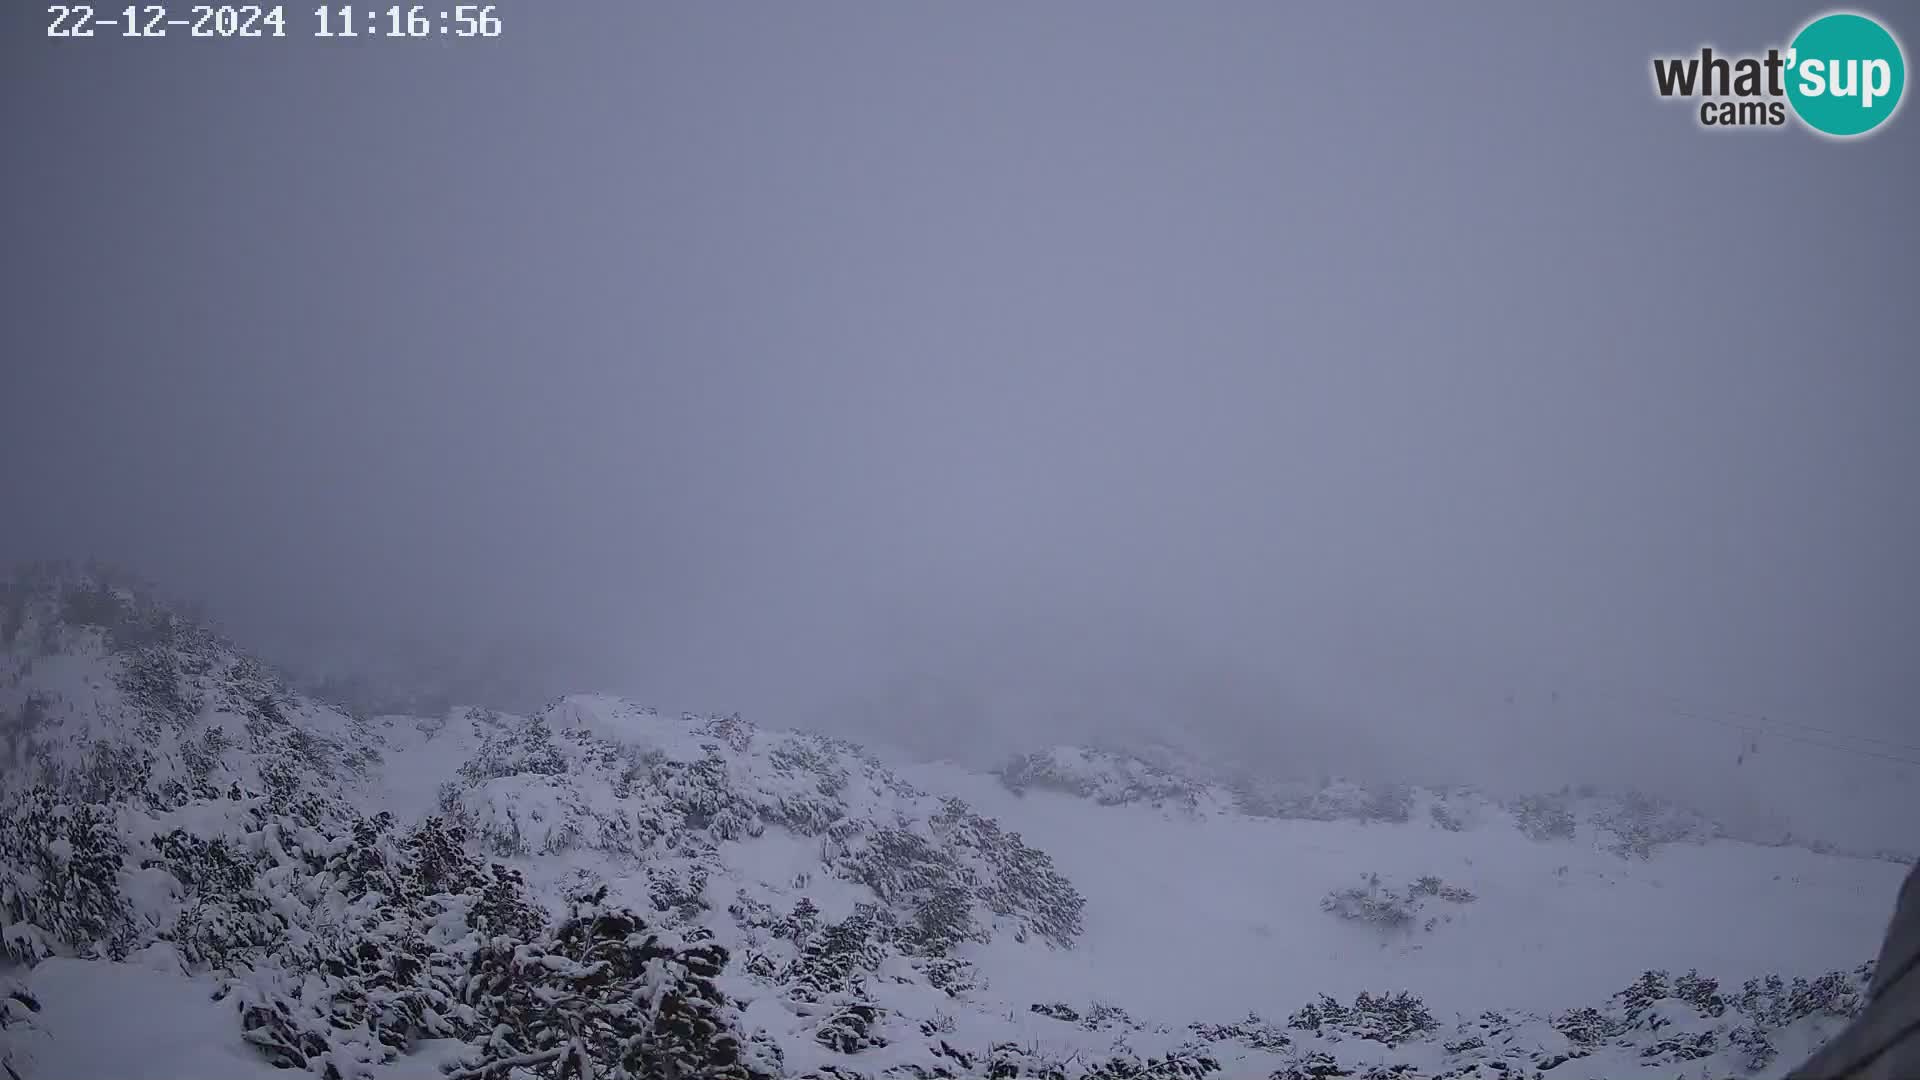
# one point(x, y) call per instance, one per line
point(205, 874)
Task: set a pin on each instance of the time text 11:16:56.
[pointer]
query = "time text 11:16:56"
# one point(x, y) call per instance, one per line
point(256, 21)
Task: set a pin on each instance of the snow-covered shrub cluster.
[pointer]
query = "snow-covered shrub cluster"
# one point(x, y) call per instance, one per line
point(60, 866)
point(1385, 905)
point(1660, 1026)
point(1015, 882)
point(1388, 1019)
point(1014, 1061)
point(1329, 800)
point(1107, 778)
point(1371, 903)
point(604, 995)
point(1630, 824)
point(1252, 1033)
point(340, 940)
point(356, 942)
point(1635, 824)
point(835, 960)
point(1444, 816)
point(1544, 817)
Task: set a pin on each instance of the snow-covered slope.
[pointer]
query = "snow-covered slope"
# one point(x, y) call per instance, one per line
point(1554, 923)
point(204, 873)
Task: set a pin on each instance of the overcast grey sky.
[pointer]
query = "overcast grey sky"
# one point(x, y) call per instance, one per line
point(1315, 372)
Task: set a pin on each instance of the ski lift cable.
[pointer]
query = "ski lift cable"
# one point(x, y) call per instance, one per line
point(1676, 707)
point(1836, 746)
point(1673, 705)
point(1744, 719)
point(1763, 719)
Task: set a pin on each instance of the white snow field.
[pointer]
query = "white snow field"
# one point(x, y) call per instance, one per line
point(195, 883)
point(1218, 914)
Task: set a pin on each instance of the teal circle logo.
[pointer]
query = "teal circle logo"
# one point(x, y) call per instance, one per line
point(1845, 74)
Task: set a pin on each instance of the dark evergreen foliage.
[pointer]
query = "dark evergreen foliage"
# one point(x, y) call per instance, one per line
point(850, 1029)
point(1252, 1032)
point(604, 996)
point(60, 878)
point(836, 960)
point(1390, 1019)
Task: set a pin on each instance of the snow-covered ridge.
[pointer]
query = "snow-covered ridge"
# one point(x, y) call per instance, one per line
point(111, 697)
point(1627, 823)
point(485, 895)
point(603, 777)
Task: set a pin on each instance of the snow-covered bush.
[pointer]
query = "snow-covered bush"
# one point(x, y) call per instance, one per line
point(1773, 1002)
point(1661, 1021)
point(60, 868)
point(1313, 1065)
point(222, 920)
point(1015, 1062)
point(1379, 904)
point(851, 1029)
point(1102, 1014)
point(1637, 824)
point(1175, 1066)
point(1430, 885)
point(517, 750)
point(1543, 817)
point(1371, 903)
point(351, 939)
point(1252, 1032)
point(342, 945)
point(902, 867)
point(604, 995)
point(1106, 778)
point(1015, 882)
point(949, 975)
point(1388, 1019)
point(836, 960)
point(1588, 1026)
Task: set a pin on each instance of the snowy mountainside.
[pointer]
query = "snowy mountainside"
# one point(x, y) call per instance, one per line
point(189, 846)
